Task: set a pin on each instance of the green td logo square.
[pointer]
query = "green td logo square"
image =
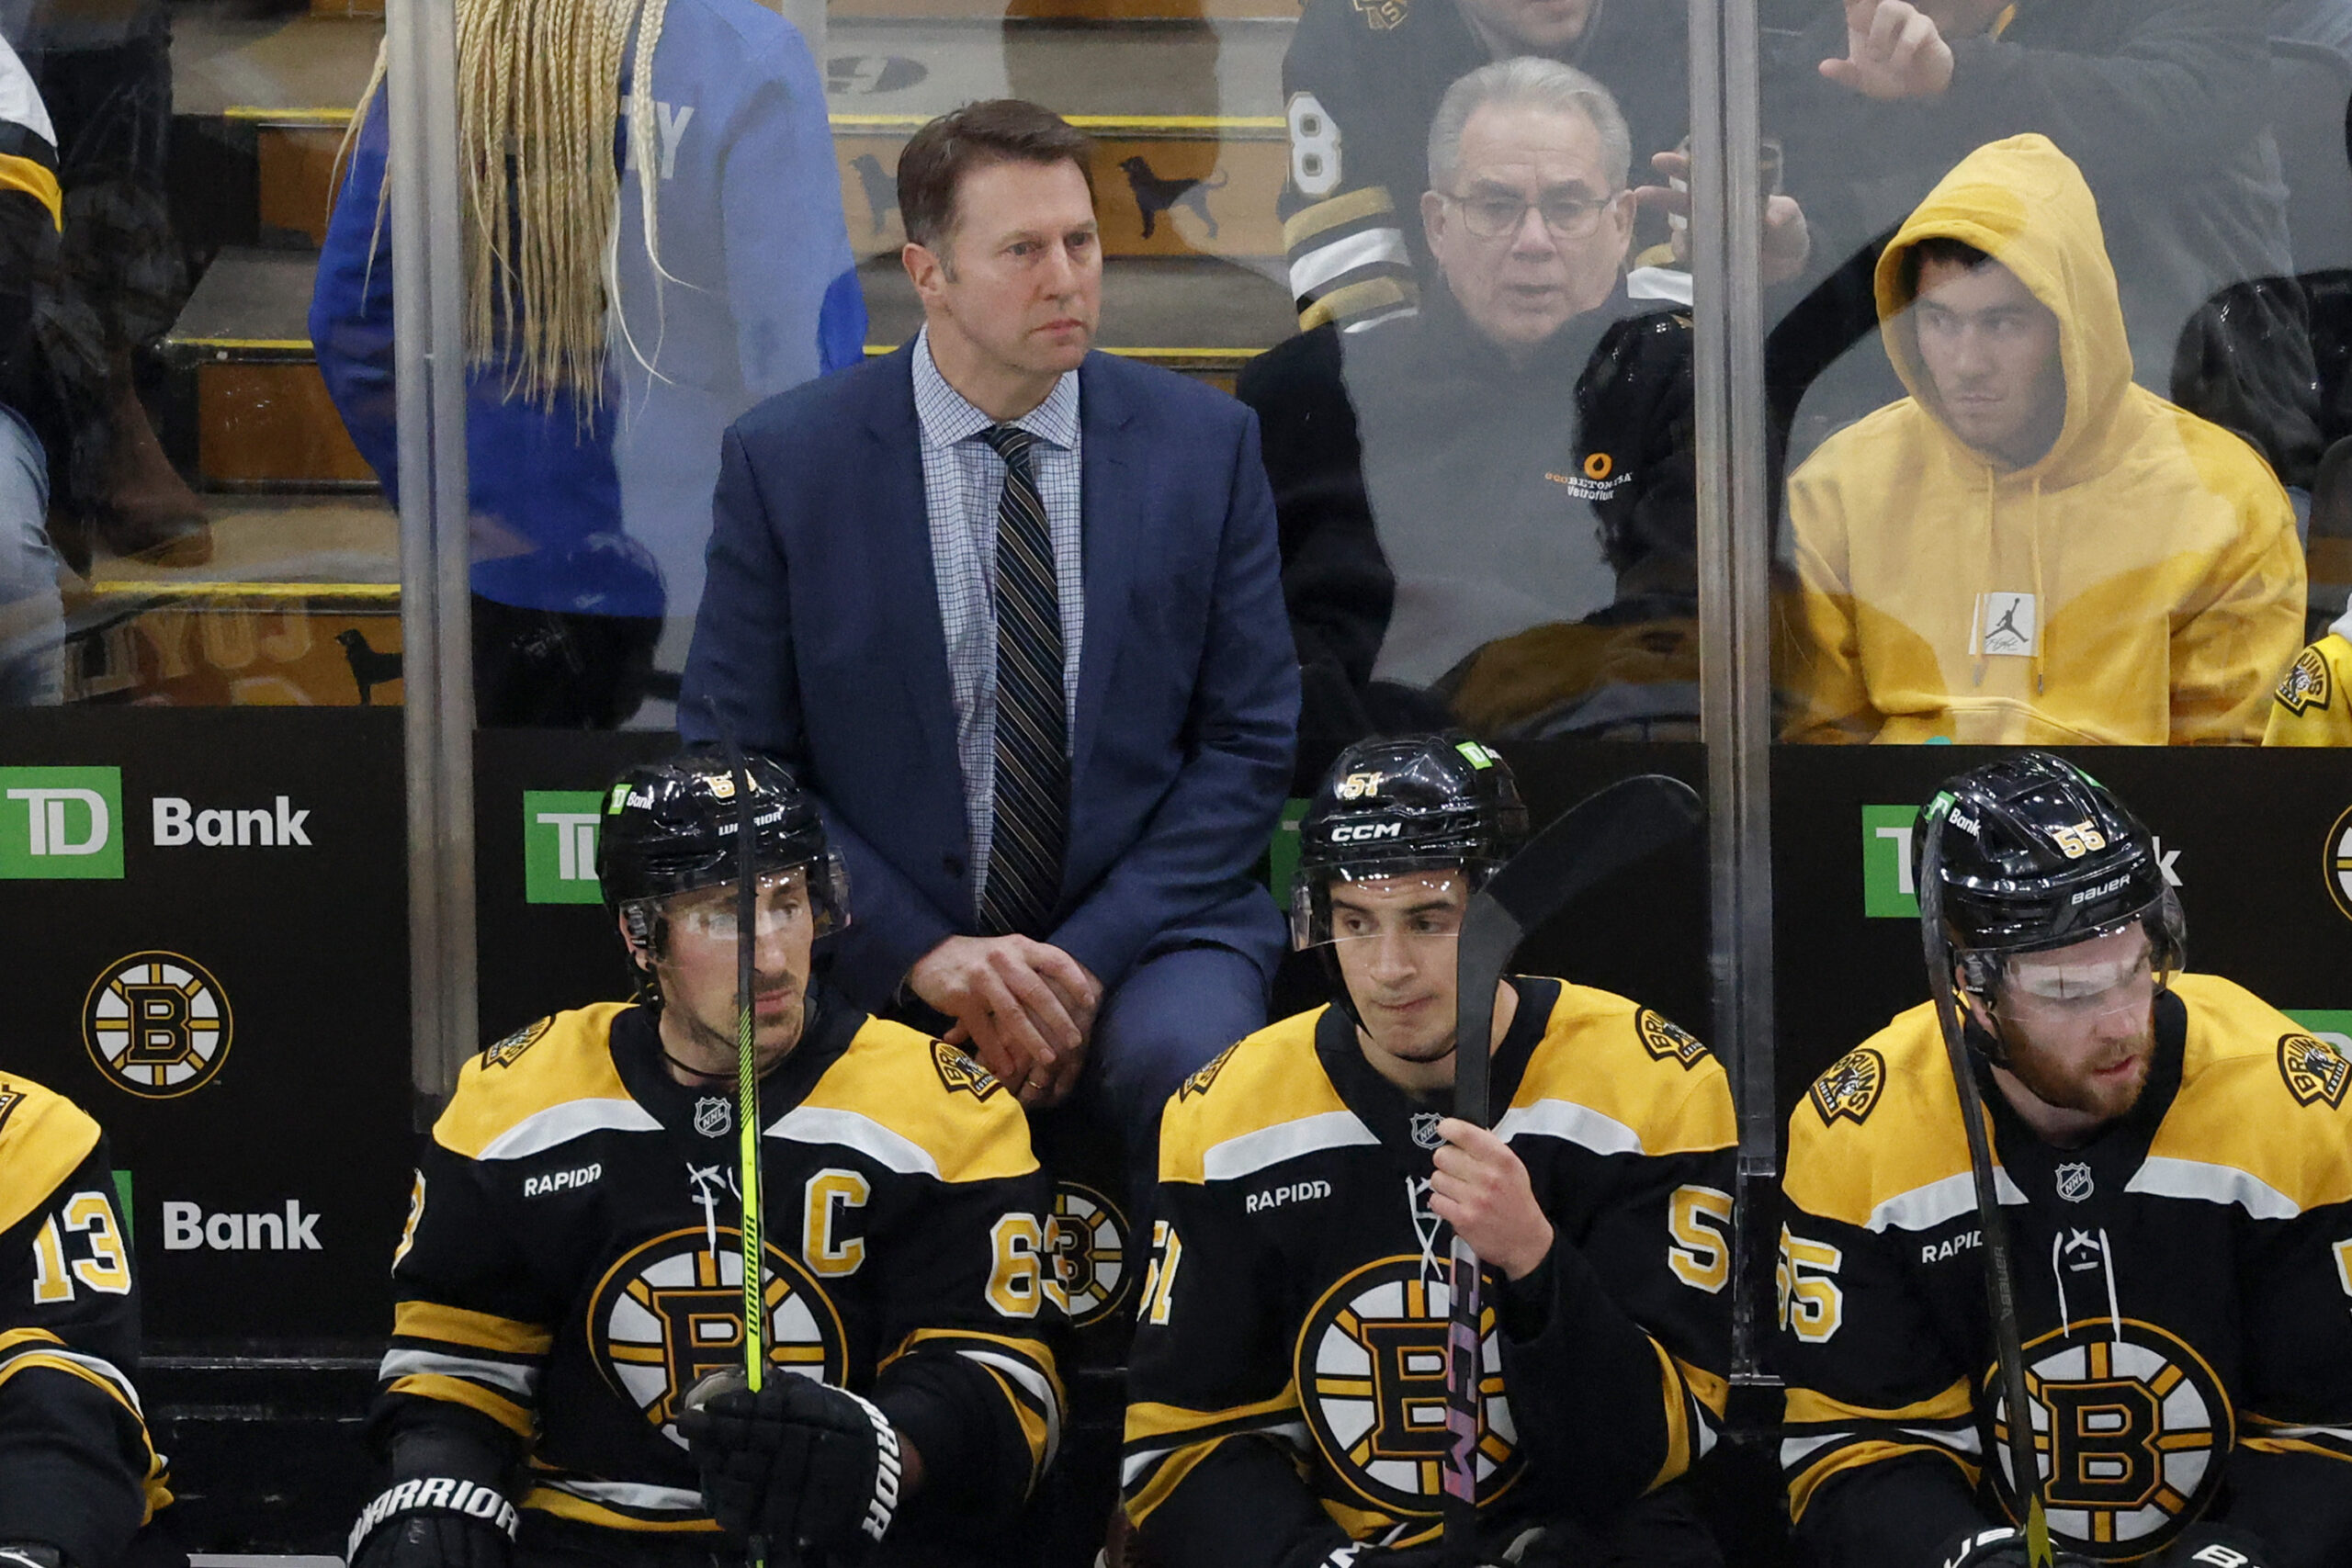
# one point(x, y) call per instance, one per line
point(560, 846)
point(1890, 891)
point(60, 822)
point(2332, 1025)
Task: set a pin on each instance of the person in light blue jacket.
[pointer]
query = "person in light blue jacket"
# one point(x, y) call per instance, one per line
point(597, 397)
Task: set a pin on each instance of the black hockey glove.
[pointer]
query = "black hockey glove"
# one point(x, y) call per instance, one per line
point(1433, 1555)
point(30, 1554)
point(433, 1522)
point(2001, 1548)
point(809, 1466)
point(2211, 1546)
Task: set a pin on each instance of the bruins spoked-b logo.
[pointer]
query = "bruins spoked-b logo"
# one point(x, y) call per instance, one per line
point(2315, 1069)
point(1371, 1370)
point(2336, 860)
point(157, 1024)
point(2130, 1435)
point(672, 1310)
point(1088, 1241)
point(1850, 1088)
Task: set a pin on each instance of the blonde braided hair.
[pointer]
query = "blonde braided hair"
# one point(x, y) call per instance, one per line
point(539, 97)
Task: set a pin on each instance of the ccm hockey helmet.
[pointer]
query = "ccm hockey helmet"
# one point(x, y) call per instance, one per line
point(2036, 855)
point(669, 828)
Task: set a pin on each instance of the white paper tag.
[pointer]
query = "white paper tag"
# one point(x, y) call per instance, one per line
point(2005, 623)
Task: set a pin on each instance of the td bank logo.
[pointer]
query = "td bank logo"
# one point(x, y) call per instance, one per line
point(60, 822)
point(1890, 881)
point(560, 846)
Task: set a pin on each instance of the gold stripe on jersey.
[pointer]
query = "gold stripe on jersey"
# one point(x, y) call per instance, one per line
point(1152, 1467)
point(568, 1061)
point(476, 1330)
point(1711, 1389)
point(891, 1078)
point(2238, 1109)
point(43, 1136)
point(508, 1412)
point(1677, 1422)
point(1032, 1383)
point(1270, 1079)
point(40, 183)
point(1598, 1053)
point(2266, 1435)
point(30, 1350)
point(1824, 1436)
point(1364, 1524)
point(1357, 299)
point(1367, 201)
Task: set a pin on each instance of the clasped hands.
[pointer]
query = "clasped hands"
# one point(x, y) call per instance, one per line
point(1025, 1009)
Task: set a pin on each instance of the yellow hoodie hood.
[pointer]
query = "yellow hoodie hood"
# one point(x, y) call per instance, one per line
point(2141, 583)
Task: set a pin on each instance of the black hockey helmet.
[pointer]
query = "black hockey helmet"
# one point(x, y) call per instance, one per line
point(670, 826)
point(2036, 856)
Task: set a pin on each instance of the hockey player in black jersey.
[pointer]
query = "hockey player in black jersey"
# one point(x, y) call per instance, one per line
point(2174, 1164)
point(80, 1479)
point(572, 1265)
point(1288, 1377)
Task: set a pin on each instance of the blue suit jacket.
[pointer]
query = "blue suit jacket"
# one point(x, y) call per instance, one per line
point(820, 639)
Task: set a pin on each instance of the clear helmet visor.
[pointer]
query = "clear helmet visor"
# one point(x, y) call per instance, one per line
point(1420, 904)
point(2116, 973)
point(786, 901)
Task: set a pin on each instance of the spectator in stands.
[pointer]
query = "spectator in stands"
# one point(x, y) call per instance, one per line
point(2162, 103)
point(1486, 507)
point(32, 610)
point(1363, 79)
point(2314, 705)
point(591, 462)
point(2030, 549)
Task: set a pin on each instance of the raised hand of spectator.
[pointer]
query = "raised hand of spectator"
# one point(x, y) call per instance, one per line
point(1788, 243)
point(1894, 50)
point(1026, 1008)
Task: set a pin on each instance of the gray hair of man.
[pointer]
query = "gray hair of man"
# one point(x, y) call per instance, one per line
point(1528, 82)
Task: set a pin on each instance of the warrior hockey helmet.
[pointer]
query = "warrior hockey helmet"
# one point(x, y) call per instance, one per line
point(2037, 855)
point(1394, 808)
point(669, 828)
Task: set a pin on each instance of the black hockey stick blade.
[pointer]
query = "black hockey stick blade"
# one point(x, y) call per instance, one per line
point(2000, 1274)
point(1589, 842)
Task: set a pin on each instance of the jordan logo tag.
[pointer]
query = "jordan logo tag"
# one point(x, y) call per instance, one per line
point(2005, 623)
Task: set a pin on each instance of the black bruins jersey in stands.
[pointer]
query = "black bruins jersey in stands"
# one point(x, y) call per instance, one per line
point(1293, 1320)
point(572, 1265)
point(1360, 84)
point(78, 1469)
point(2184, 1291)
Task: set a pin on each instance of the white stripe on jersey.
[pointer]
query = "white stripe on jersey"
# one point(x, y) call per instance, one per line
point(98, 1364)
point(1321, 265)
point(505, 1376)
point(1040, 1389)
point(1141, 1459)
point(559, 1124)
point(2165, 1177)
point(1578, 1124)
point(1253, 1152)
point(823, 1124)
point(1925, 1208)
point(627, 1493)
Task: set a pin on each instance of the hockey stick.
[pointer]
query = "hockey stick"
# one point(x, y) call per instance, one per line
point(2000, 1280)
point(1593, 841)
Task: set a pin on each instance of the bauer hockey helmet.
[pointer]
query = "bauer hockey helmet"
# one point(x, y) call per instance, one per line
point(1395, 807)
point(2036, 855)
point(669, 828)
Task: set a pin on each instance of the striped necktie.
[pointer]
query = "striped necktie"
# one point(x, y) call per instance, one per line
point(1024, 875)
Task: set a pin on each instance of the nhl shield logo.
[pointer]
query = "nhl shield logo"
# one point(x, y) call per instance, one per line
point(1424, 1127)
point(714, 1116)
point(2074, 1182)
point(2315, 1069)
point(157, 1025)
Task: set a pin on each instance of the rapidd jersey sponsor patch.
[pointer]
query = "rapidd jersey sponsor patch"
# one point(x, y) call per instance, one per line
point(1850, 1088)
point(960, 1073)
point(1668, 1040)
point(2308, 686)
point(1199, 1082)
point(2315, 1069)
point(509, 1051)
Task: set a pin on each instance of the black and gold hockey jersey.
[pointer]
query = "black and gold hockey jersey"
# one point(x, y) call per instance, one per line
point(1288, 1376)
point(572, 1263)
point(2184, 1294)
point(78, 1469)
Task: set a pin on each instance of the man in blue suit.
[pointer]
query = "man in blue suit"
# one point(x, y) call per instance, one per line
point(1013, 611)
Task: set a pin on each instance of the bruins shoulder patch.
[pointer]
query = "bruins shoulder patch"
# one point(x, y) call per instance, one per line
point(9, 1100)
point(1199, 1082)
point(1667, 1041)
point(2315, 1069)
point(1850, 1088)
point(509, 1051)
point(2309, 684)
point(959, 1074)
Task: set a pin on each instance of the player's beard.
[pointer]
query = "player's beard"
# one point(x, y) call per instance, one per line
point(2078, 1090)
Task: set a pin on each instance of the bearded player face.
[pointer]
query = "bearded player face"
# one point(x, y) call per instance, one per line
point(2079, 1022)
point(1394, 938)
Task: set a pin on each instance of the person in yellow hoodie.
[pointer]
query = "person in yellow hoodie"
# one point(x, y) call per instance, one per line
point(2312, 706)
point(2029, 549)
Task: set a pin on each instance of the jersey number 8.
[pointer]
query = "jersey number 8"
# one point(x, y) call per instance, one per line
point(1314, 148)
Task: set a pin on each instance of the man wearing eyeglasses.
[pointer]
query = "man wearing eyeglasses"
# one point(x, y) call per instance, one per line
point(1513, 460)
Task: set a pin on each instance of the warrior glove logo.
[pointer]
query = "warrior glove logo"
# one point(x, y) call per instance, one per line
point(1087, 1239)
point(670, 1312)
point(1371, 1375)
point(157, 1025)
point(2129, 1435)
point(2315, 1069)
point(1850, 1088)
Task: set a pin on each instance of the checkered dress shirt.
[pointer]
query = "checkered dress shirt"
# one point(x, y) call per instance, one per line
point(962, 478)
